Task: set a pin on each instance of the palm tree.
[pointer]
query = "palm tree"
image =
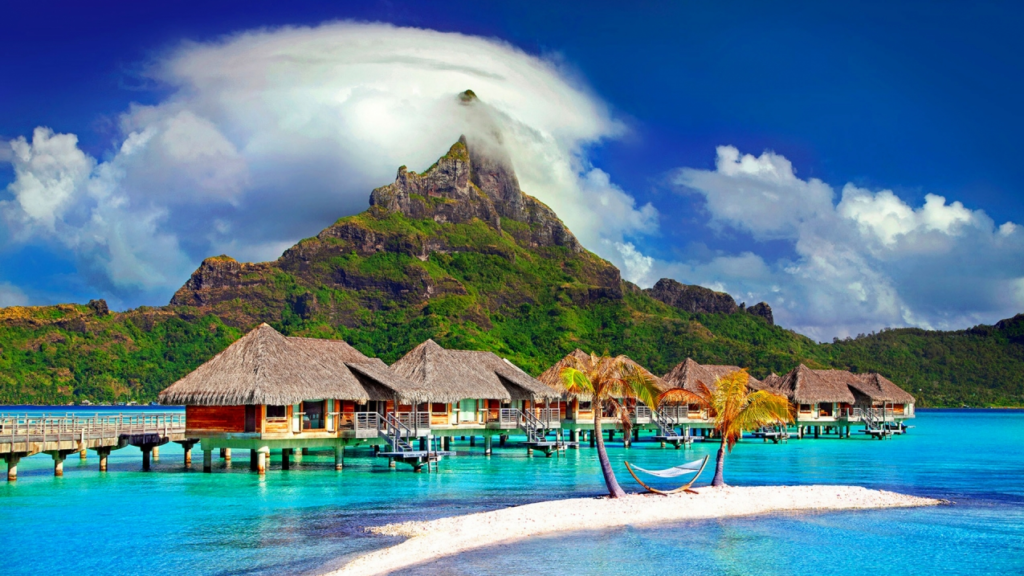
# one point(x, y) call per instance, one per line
point(734, 408)
point(609, 382)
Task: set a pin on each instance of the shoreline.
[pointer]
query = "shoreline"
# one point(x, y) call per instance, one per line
point(482, 529)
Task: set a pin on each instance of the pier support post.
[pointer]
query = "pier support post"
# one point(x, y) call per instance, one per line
point(817, 432)
point(591, 436)
point(188, 454)
point(502, 439)
point(261, 460)
point(147, 452)
point(285, 458)
point(156, 453)
point(305, 451)
point(636, 434)
point(529, 451)
point(487, 445)
point(339, 457)
point(472, 441)
point(423, 443)
point(12, 466)
point(391, 463)
point(81, 454)
point(207, 461)
point(225, 454)
point(103, 453)
point(297, 455)
point(58, 463)
point(253, 464)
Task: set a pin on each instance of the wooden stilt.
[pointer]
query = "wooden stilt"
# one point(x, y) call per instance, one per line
point(103, 453)
point(472, 441)
point(261, 460)
point(156, 453)
point(12, 466)
point(147, 452)
point(58, 464)
point(339, 457)
point(207, 461)
point(253, 461)
point(286, 458)
point(188, 455)
point(487, 445)
point(81, 454)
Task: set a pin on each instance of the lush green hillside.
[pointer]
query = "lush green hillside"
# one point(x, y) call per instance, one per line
point(460, 255)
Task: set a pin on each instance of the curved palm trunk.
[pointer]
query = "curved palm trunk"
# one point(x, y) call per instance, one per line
point(614, 490)
point(719, 465)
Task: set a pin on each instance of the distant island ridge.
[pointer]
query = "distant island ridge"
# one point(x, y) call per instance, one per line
point(461, 255)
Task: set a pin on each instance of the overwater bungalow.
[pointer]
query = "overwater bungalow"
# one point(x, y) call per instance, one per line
point(578, 415)
point(267, 391)
point(819, 398)
point(878, 395)
point(478, 393)
point(688, 375)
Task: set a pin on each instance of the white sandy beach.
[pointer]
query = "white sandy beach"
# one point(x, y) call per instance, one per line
point(462, 533)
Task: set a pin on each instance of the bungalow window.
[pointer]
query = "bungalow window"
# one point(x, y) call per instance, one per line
point(439, 408)
point(585, 406)
point(276, 412)
point(805, 407)
point(825, 410)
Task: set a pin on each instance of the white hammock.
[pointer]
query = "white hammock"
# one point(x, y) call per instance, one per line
point(688, 468)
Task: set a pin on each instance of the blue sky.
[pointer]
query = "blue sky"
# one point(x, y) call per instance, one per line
point(787, 152)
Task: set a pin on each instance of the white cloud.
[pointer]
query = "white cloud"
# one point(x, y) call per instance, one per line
point(47, 173)
point(635, 266)
point(11, 295)
point(759, 194)
point(269, 135)
point(869, 262)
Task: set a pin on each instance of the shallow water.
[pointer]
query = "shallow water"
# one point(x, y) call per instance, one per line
point(311, 518)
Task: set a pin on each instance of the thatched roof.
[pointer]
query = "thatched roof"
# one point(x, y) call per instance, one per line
point(552, 377)
point(688, 373)
point(879, 388)
point(453, 375)
point(805, 386)
point(770, 383)
point(265, 367)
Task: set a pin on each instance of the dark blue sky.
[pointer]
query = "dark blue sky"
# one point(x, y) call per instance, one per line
point(917, 97)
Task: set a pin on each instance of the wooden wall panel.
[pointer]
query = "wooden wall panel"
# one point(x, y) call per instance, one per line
point(215, 418)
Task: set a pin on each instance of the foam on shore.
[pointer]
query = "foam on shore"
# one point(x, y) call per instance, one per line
point(462, 533)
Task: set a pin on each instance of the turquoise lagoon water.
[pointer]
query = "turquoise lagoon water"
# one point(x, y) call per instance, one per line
point(311, 518)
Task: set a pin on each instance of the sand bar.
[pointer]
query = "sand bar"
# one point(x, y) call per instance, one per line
point(462, 533)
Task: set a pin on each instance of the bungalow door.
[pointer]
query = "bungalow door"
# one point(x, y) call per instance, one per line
point(250, 418)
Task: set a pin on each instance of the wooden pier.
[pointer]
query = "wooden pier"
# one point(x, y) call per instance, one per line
point(61, 436)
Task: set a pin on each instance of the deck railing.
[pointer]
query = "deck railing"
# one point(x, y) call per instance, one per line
point(53, 428)
point(642, 414)
point(508, 416)
point(367, 421)
point(416, 421)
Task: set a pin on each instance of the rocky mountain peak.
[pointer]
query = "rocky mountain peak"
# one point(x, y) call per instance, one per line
point(469, 182)
point(701, 300)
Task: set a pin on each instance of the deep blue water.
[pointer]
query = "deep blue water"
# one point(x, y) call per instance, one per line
point(311, 518)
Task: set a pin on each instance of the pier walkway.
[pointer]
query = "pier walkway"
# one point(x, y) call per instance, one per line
point(60, 436)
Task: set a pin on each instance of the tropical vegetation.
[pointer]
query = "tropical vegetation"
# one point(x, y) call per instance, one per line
point(611, 385)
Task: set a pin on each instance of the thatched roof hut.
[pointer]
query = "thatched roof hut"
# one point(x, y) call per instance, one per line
point(265, 367)
point(877, 388)
point(454, 375)
point(552, 377)
point(688, 373)
point(805, 386)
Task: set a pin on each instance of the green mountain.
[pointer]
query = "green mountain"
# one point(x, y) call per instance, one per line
point(460, 254)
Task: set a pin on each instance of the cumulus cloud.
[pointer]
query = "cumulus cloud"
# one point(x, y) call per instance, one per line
point(269, 135)
point(870, 261)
